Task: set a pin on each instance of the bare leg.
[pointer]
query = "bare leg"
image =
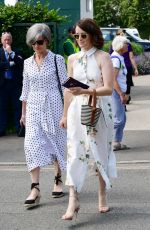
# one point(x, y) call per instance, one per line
point(57, 186)
point(35, 173)
point(102, 195)
point(73, 206)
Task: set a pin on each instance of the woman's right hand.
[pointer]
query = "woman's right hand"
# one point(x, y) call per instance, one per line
point(123, 98)
point(23, 120)
point(63, 122)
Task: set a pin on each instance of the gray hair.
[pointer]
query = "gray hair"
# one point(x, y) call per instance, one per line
point(36, 30)
point(118, 42)
point(6, 33)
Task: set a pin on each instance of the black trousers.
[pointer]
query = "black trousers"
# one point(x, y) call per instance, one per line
point(129, 79)
point(9, 96)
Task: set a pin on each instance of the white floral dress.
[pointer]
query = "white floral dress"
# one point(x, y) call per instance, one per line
point(88, 145)
point(45, 141)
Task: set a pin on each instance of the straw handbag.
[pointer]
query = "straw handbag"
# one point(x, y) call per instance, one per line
point(89, 113)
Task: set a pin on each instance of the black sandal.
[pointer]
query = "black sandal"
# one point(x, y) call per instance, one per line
point(33, 202)
point(57, 180)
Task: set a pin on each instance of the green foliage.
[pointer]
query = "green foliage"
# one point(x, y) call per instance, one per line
point(106, 46)
point(135, 13)
point(137, 48)
point(123, 13)
point(17, 19)
point(28, 12)
point(143, 63)
point(106, 12)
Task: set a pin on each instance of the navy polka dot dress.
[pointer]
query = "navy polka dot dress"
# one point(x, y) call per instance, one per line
point(44, 140)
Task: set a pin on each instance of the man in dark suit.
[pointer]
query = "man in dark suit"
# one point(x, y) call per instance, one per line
point(11, 69)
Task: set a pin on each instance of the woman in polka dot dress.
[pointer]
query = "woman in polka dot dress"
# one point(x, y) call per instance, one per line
point(42, 107)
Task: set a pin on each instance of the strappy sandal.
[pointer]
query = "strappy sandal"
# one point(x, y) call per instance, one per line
point(33, 202)
point(70, 213)
point(57, 180)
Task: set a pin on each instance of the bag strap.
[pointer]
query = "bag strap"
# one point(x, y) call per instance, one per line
point(92, 98)
point(59, 83)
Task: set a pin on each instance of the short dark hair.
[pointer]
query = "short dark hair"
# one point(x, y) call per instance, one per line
point(71, 30)
point(90, 27)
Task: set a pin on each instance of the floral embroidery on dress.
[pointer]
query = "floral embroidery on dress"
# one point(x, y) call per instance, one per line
point(82, 62)
point(91, 131)
point(84, 158)
point(90, 146)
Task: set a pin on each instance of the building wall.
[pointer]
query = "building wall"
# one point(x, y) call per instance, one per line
point(86, 8)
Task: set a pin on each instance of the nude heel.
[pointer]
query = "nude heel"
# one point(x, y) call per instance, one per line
point(69, 215)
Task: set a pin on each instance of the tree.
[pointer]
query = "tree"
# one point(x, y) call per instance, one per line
point(106, 12)
point(123, 13)
point(135, 13)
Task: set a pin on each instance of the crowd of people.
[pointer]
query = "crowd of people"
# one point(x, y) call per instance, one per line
point(53, 126)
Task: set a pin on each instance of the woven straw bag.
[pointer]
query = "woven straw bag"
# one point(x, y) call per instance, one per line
point(89, 113)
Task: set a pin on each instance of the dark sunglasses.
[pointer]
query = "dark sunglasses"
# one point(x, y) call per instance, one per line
point(84, 36)
point(38, 42)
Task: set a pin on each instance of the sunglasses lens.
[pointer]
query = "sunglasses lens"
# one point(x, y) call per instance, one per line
point(76, 36)
point(38, 42)
point(83, 36)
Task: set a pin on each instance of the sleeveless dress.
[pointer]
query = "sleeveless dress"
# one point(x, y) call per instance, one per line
point(89, 146)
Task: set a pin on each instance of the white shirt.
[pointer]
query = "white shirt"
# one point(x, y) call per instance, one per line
point(118, 62)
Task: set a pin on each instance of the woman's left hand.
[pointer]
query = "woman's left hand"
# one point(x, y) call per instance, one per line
point(75, 90)
point(63, 122)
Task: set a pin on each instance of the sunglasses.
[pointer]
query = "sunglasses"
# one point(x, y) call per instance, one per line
point(38, 42)
point(77, 36)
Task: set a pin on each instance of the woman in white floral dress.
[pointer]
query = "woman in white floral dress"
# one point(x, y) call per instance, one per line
point(86, 145)
point(42, 107)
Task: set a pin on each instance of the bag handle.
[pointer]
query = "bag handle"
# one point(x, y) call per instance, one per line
point(92, 98)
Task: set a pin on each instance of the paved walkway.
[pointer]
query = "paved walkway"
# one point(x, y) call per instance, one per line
point(129, 198)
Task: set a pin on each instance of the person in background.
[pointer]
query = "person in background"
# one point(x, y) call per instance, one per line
point(42, 108)
point(89, 145)
point(130, 65)
point(11, 68)
point(120, 46)
point(70, 45)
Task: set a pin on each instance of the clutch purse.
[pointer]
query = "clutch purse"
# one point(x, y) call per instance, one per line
point(89, 113)
point(72, 82)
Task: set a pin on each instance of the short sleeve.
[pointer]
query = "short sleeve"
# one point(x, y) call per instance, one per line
point(116, 62)
point(25, 88)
